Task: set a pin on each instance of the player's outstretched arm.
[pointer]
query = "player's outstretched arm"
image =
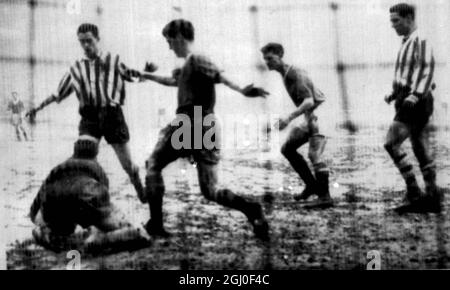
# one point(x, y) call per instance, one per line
point(248, 91)
point(166, 81)
point(65, 89)
point(150, 68)
point(32, 112)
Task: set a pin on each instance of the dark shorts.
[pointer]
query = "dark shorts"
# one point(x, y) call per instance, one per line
point(106, 122)
point(165, 152)
point(416, 117)
point(75, 201)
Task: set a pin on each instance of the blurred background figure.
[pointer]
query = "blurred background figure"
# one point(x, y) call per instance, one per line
point(16, 107)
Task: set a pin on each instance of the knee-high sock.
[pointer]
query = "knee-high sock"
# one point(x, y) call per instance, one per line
point(322, 177)
point(301, 167)
point(404, 166)
point(154, 188)
point(229, 199)
point(429, 175)
point(136, 181)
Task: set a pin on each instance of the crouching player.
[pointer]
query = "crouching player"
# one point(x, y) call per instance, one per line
point(76, 193)
point(306, 98)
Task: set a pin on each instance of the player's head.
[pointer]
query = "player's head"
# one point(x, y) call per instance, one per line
point(179, 34)
point(14, 95)
point(86, 147)
point(273, 55)
point(88, 36)
point(403, 18)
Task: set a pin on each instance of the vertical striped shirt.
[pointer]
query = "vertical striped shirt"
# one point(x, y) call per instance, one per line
point(414, 67)
point(97, 83)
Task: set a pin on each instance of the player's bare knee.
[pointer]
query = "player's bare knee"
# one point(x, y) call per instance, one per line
point(313, 157)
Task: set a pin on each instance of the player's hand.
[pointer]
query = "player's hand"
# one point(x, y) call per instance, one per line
point(388, 99)
point(251, 91)
point(281, 124)
point(176, 73)
point(135, 74)
point(31, 113)
point(410, 101)
point(150, 67)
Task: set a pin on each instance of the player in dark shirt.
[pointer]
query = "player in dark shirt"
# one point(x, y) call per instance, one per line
point(76, 192)
point(196, 82)
point(306, 98)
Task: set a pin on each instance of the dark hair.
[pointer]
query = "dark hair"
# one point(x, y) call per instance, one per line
point(85, 149)
point(273, 47)
point(88, 27)
point(179, 26)
point(403, 10)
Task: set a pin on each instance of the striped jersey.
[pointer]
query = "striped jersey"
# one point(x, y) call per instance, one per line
point(414, 67)
point(97, 83)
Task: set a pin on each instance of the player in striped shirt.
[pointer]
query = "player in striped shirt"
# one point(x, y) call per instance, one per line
point(98, 81)
point(412, 93)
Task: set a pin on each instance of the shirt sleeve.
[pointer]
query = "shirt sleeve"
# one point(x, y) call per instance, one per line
point(206, 67)
point(65, 88)
point(422, 77)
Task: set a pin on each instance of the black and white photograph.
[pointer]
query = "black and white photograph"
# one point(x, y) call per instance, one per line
point(224, 135)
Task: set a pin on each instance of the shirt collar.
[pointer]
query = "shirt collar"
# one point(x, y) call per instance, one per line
point(411, 35)
point(99, 56)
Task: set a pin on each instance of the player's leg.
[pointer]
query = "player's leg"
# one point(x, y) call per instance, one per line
point(316, 148)
point(296, 138)
point(112, 125)
point(397, 134)
point(122, 151)
point(17, 130)
point(15, 121)
point(109, 227)
point(421, 148)
point(22, 130)
point(114, 232)
point(422, 151)
point(162, 155)
point(207, 175)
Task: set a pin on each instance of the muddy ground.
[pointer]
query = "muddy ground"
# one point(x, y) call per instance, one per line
point(364, 184)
